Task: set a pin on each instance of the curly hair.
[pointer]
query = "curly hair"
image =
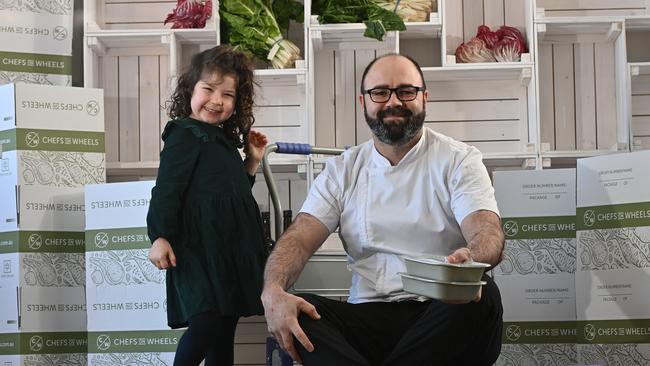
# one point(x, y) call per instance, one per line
point(226, 61)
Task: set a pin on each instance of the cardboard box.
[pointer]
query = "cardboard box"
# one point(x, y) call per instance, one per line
point(127, 309)
point(43, 348)
point(121, 282)
point(43, 107)
point(42, 275)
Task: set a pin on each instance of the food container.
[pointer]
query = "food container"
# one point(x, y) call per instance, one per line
point(437, 268)
point(441, 290)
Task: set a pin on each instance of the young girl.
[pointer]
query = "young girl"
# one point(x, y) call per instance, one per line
point(203, 221)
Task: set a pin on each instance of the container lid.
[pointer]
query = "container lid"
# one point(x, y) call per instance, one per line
point(442, 261)
point(422, 279)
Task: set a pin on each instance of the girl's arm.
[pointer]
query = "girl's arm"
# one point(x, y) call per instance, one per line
point(254, 151)
point(177, 161)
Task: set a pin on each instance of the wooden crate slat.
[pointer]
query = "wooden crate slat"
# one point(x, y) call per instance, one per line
point(278, 95)
point(153, 13)
point(641, 143)
point(641, 84)
point(605, 96)
point(129, 111)
point(515, 14)
point(640, 105)
point(564, 97)
point(641, 126)
point(472, 17)
point(276, 116)
point(472, 110)
point(585, 99)
point(487, 147)
point(164, 94)
point(361, 127)
point(546, 99)
point(494, 14)
point(149, 89)
point(109, 82)
point(453, 24)
point(345, 108)
point(324, 122)
point(590, 4)
point(479, 130)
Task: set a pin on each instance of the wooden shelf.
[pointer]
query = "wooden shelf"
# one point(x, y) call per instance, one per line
point(579, 29)
point(347, 36)
point(483, 71)
point(101, 41)
point(639, 68)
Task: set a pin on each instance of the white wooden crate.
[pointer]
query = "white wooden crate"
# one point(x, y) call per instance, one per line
point(582, 77)
point(461, 19)
point(572, 8)
point(134, 14)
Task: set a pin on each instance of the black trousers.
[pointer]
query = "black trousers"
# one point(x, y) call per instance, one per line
point(408, 333)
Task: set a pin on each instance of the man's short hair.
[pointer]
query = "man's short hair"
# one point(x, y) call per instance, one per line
point(365, 72)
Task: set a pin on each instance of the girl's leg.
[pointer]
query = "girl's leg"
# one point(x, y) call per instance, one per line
point(221, 351)
point(195, 343)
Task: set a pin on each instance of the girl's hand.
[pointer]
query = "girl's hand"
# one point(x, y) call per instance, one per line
point(161, 254)
point(254, 150)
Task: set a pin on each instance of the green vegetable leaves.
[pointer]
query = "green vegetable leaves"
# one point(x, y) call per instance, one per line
point(378, 20)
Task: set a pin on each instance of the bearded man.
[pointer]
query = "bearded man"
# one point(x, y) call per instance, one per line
point(408, 192)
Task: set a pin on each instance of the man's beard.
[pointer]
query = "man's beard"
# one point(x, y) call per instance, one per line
point(393, 132)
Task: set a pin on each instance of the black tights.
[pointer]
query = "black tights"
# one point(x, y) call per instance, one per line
point(210, 336)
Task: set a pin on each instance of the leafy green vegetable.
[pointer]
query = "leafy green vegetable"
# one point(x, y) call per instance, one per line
point(286, 10)
point(251, 25)
point(378, 20)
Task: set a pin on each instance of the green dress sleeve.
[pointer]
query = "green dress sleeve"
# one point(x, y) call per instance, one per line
point(177, 161)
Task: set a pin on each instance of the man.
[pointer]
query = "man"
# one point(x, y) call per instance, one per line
point(407, 192)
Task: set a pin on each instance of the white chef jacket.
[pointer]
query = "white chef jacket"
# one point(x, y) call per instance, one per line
point(386, 213)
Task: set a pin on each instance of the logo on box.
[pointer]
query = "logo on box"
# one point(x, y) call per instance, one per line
point(103, 342)
point(36, 343)
point(92, 108)
point(60, 33)
point(32, 139)
point(35, 241)
point(101, 240)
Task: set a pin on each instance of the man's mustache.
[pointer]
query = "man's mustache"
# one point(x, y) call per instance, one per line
point(395, 111)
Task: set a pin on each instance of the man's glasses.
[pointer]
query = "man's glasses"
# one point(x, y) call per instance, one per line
point(403, 93)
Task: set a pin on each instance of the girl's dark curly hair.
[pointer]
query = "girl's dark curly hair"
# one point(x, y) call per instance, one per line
point(226, 61)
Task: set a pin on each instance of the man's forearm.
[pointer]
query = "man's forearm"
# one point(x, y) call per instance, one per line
point(293, 250)
point(485, 239)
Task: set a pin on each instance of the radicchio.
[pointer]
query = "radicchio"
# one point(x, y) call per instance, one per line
point(508, 50)
point(475, 50)
point(190, 14)
point(490, 38)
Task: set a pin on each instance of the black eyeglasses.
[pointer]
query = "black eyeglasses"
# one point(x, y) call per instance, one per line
point(403, 93)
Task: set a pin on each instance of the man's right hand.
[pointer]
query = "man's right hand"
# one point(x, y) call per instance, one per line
point(281, 310)
point(161, 254)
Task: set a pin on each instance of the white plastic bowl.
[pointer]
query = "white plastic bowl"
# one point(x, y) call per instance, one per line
point(441, 290)
point(440, 270)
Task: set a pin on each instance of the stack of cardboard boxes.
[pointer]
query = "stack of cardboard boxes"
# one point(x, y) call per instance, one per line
point(127, 322)
point(52, 141)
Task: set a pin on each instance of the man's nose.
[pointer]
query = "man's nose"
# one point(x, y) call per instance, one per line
point(393, 100)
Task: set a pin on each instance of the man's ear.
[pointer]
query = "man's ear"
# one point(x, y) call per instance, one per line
point(361, 99)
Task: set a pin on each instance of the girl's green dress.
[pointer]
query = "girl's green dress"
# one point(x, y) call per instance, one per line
point(203, 205)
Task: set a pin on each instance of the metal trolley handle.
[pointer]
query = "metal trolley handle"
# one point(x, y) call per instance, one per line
point(287, 148)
